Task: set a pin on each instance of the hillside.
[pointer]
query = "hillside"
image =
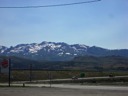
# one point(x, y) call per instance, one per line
point(88, 63)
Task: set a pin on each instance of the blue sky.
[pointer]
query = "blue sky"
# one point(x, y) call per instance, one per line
point(103, 24)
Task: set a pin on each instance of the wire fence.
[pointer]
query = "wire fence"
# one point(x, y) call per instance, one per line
point(60, 76)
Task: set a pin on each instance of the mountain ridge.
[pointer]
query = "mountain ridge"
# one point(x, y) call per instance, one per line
point(58, 51)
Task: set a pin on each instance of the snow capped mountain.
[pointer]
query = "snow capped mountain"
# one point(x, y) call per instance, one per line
point(57, 51)
point(3, 49)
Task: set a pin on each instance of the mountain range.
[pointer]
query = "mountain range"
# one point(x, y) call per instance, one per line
point(60, 51)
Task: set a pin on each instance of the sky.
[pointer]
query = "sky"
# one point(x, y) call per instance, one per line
point(103, 24)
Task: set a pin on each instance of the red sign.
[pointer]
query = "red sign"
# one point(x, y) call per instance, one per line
point(5, 63)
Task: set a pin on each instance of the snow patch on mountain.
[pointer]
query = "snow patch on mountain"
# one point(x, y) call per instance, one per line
point(60, 54)
point(68, 53)
point(17, 49)
point(3, 49)
point(35, 48)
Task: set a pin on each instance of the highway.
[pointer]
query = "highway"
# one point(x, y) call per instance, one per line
point(79, 79)
point(37, 88)
point(64, 90)
point(74, 86)
point(69, 80)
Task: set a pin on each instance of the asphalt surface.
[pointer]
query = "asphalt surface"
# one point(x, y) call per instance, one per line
point(70, 79)
point(64, 90)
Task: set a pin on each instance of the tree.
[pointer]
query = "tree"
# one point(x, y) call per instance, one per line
point(82, 75)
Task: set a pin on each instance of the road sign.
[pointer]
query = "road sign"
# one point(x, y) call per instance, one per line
point(5, 66)
point(5, 63)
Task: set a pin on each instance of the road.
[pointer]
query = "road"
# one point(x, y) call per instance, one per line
point(87, 78)
point(73, 86)
point(70, 79)
point(77, 86)
point(64, 90)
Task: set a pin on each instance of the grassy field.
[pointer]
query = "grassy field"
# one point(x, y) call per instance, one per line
point(24, 75)
point(43, 75)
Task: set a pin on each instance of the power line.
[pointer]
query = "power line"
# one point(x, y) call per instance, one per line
point(57, 5)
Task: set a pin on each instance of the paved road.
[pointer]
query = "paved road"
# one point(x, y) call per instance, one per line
point(70, 79)
point(72, 86)
point(91, 87)
point(65, 90)
point(87, 78)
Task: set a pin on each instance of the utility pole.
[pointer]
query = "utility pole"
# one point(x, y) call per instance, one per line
point(50, 79)
point(30, 74)
point(9, 74)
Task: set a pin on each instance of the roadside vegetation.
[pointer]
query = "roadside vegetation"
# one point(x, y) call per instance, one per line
point(24, 75)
